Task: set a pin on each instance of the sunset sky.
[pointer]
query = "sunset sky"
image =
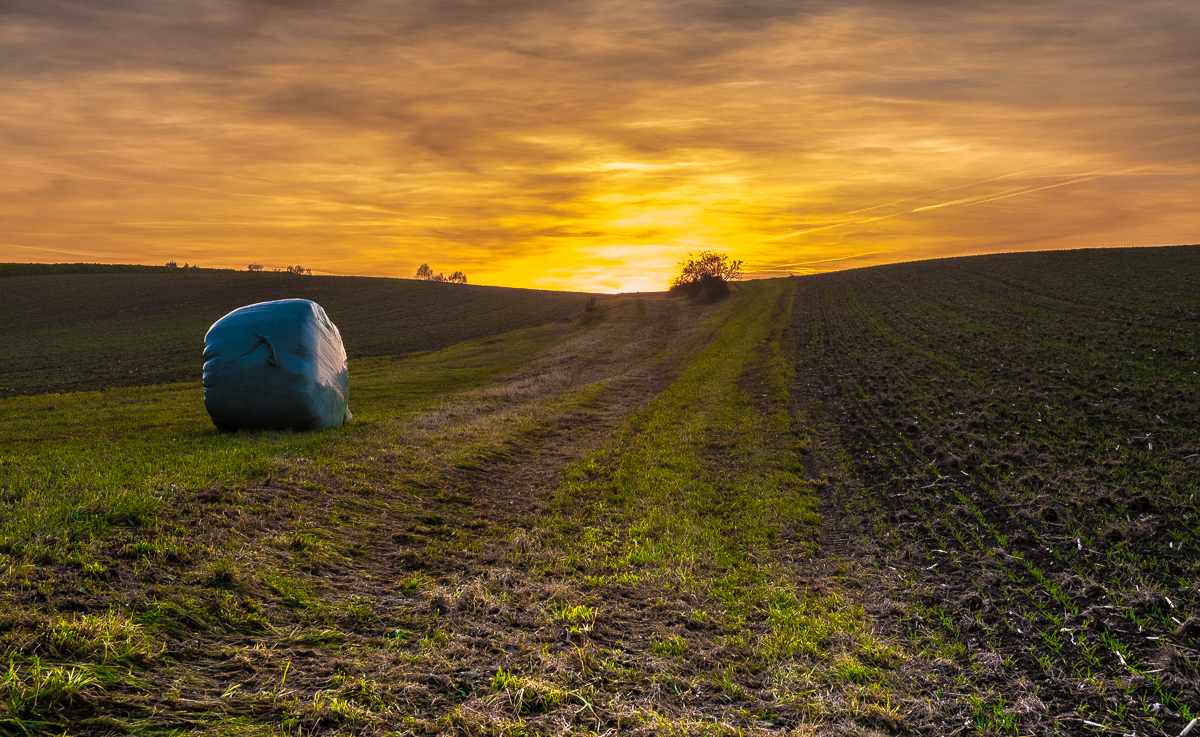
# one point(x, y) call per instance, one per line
point(590, 145)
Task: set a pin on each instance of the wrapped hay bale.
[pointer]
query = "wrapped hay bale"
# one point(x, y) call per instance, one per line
point(276, 365)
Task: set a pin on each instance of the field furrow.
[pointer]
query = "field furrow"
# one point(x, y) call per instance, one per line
point(1019, 437)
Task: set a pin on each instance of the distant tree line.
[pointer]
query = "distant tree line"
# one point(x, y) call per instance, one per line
point(297, 269)
point(175, 265)
point(426, 274)
point(78, 268)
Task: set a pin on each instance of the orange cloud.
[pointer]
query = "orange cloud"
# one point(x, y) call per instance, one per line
point(590, 145)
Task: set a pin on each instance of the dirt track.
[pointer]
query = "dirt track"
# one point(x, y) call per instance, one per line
point(468, 542)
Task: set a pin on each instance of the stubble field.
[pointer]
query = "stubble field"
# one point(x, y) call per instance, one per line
point(946, 497)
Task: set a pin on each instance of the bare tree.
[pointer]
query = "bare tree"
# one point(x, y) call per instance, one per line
point(256, 267)
point(457, 278)
point(424, 272)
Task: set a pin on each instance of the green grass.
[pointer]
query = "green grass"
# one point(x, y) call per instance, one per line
point(75, 466)
point(76, 331)
point(438, 566)
point(674, 646)
point(698, 496)
point(702, 495)
point(230, 540)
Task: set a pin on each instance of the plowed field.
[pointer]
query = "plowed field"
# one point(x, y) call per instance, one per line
point(1020, 436)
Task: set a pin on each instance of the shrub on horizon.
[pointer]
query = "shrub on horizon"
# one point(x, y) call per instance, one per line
point(705, 278)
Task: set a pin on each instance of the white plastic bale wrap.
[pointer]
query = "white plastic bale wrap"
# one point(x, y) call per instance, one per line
point(276, 365)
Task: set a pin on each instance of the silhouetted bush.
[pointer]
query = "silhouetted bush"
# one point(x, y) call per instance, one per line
point(706, 277)
point(704, 290)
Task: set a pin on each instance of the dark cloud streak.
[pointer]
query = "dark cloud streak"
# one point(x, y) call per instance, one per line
point(529, 123)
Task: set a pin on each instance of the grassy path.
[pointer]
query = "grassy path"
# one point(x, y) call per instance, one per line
point(516, 535)
point(608, 526)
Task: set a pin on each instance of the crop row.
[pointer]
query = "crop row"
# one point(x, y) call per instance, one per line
point(1024, 431)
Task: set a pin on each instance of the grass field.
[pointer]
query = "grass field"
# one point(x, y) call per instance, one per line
point(951, 497)
point(70, 331)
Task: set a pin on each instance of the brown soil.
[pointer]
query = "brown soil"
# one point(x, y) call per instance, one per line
point(903, 496)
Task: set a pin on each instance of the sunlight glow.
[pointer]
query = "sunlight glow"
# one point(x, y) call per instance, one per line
point(551, 148)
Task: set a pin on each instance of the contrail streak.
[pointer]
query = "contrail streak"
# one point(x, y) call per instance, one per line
point(951, 189)
point(91, 254)
point(780, 267)
point(834, 225)
point(979, 199)
point(1076, 178)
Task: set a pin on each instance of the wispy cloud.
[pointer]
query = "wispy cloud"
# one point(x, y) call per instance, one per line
point(520, 140)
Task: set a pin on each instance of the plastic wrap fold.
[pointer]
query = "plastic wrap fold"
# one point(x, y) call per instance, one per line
point(276, 365)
